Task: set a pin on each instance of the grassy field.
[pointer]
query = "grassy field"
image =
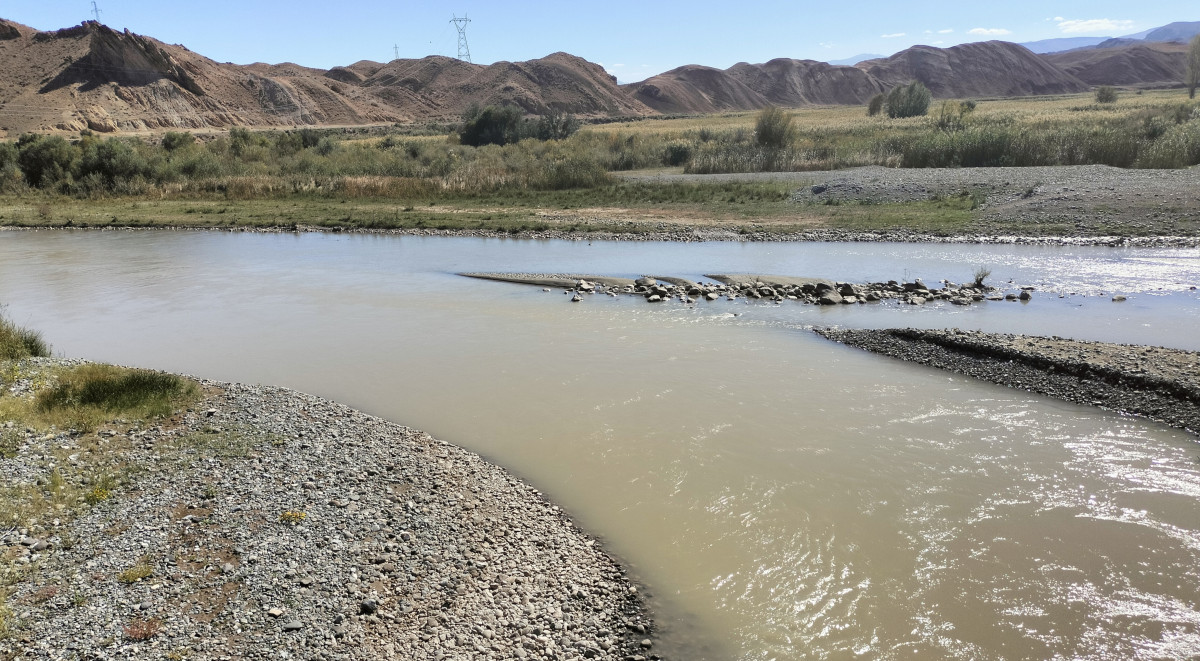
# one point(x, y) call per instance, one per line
point(411, 179)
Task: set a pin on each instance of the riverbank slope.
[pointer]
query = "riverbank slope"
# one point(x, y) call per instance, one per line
point(266, 523)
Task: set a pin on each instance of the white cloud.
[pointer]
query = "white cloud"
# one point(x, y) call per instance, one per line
point(989, 32)
point(1056, 19)
point(946, 31)
point(826, 44)
point(1094, 25)
point(894, 35)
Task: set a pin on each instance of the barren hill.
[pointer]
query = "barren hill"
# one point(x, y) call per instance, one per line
point(787, 82)
point(1136, 64)
point(696, 89)
point(91, 76)
point(989, 68)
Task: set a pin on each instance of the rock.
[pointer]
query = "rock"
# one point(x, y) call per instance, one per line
point(275, 612)
point(368, 607)
point(1025, 295)
point(830, 297)
point(576, 298)
point(1118, 298)
point(293, 625)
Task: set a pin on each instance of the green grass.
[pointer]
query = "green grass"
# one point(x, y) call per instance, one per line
point(18, 342)
point(86, 394)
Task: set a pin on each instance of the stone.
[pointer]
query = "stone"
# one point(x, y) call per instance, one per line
point(275, 612)
point(368, 607)
point(294, 625)
point(1118, 298)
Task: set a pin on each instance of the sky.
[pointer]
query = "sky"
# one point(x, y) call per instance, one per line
point(633, 40)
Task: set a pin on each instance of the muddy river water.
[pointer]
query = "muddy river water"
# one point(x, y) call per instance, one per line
point(780, 496)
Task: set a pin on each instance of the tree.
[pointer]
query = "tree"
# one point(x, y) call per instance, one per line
point(1192, 77)
point(490, 125)
point(911, 100)
point(774, 128)
point(876, 105)
point(45, 160)
point(556, 125)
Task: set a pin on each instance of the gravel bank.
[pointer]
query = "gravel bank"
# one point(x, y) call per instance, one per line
point(268, 524)
point(1158, 383)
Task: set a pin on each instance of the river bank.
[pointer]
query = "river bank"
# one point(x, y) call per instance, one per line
point(1053, 205)
point(266, 523)
point(1155, 382)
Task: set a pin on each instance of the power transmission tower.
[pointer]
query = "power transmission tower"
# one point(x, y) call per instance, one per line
point(396, 48)
point(464, 53)
point(95, 11)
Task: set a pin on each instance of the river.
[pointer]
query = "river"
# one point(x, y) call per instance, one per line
point(780, 496)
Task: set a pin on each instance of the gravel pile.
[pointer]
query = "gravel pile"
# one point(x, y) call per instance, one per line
point(1158, 383)
point(268, 524)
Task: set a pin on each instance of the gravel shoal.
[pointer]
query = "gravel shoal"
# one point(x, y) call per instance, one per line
point(264, 523)
point(1155, 382)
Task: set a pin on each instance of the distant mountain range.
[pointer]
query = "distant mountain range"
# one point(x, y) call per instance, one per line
point(1181, 31)
point(93, 77)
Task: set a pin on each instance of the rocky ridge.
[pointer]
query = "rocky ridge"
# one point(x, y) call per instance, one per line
point(265, 523)
point(773, 288)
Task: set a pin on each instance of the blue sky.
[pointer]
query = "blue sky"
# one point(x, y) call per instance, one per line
point(633, 40)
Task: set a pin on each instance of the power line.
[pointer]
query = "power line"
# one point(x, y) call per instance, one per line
point(464, 53)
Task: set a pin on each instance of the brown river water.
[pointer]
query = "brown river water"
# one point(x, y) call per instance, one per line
point(780, 496)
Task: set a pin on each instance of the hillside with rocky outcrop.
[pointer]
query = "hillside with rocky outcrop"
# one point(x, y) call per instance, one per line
point(93, 77)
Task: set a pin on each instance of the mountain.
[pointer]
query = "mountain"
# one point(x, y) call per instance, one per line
point(1061, 44)
point(1181, 31)
point(91, 76)
point(1135, 64)
point(988, 68)
point(695, 89)
point(855, 59)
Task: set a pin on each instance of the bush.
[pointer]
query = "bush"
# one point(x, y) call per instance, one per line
point(1106, 94)
point(17, 342)
point(876, 105)
point(45, 161)
point(774, 128)
point(174, 140)
point(911, 100)
point(490, 125)
point(555, 125)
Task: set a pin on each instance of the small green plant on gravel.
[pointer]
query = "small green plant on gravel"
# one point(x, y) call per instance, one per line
point(981, 273)
point(137, 572)
point(293, 518)
point(97, 495)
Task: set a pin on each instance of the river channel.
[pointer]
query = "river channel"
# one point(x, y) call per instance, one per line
point(780, 496)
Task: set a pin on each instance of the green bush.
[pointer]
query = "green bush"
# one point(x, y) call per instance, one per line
point(911, 100)
point(876, 105)
point(774, 128)
point(174, 140)
point(555, 125)
point(490, 125)
point(45, 160)
point(1106, 94)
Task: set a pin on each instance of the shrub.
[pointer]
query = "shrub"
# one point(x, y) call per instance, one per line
point(174, 140)
point(911, 100)
point(45, 160)
point(1106, 94)
point(140, 629)
point(17, 342)
point(876, 105)
point(1192, 75)
point(490, 125)
point(555, 125)
point(981, 273)
point(952, 116)
point(774, 128)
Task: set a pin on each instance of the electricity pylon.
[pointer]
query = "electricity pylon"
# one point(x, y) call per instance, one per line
point(464, 53)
